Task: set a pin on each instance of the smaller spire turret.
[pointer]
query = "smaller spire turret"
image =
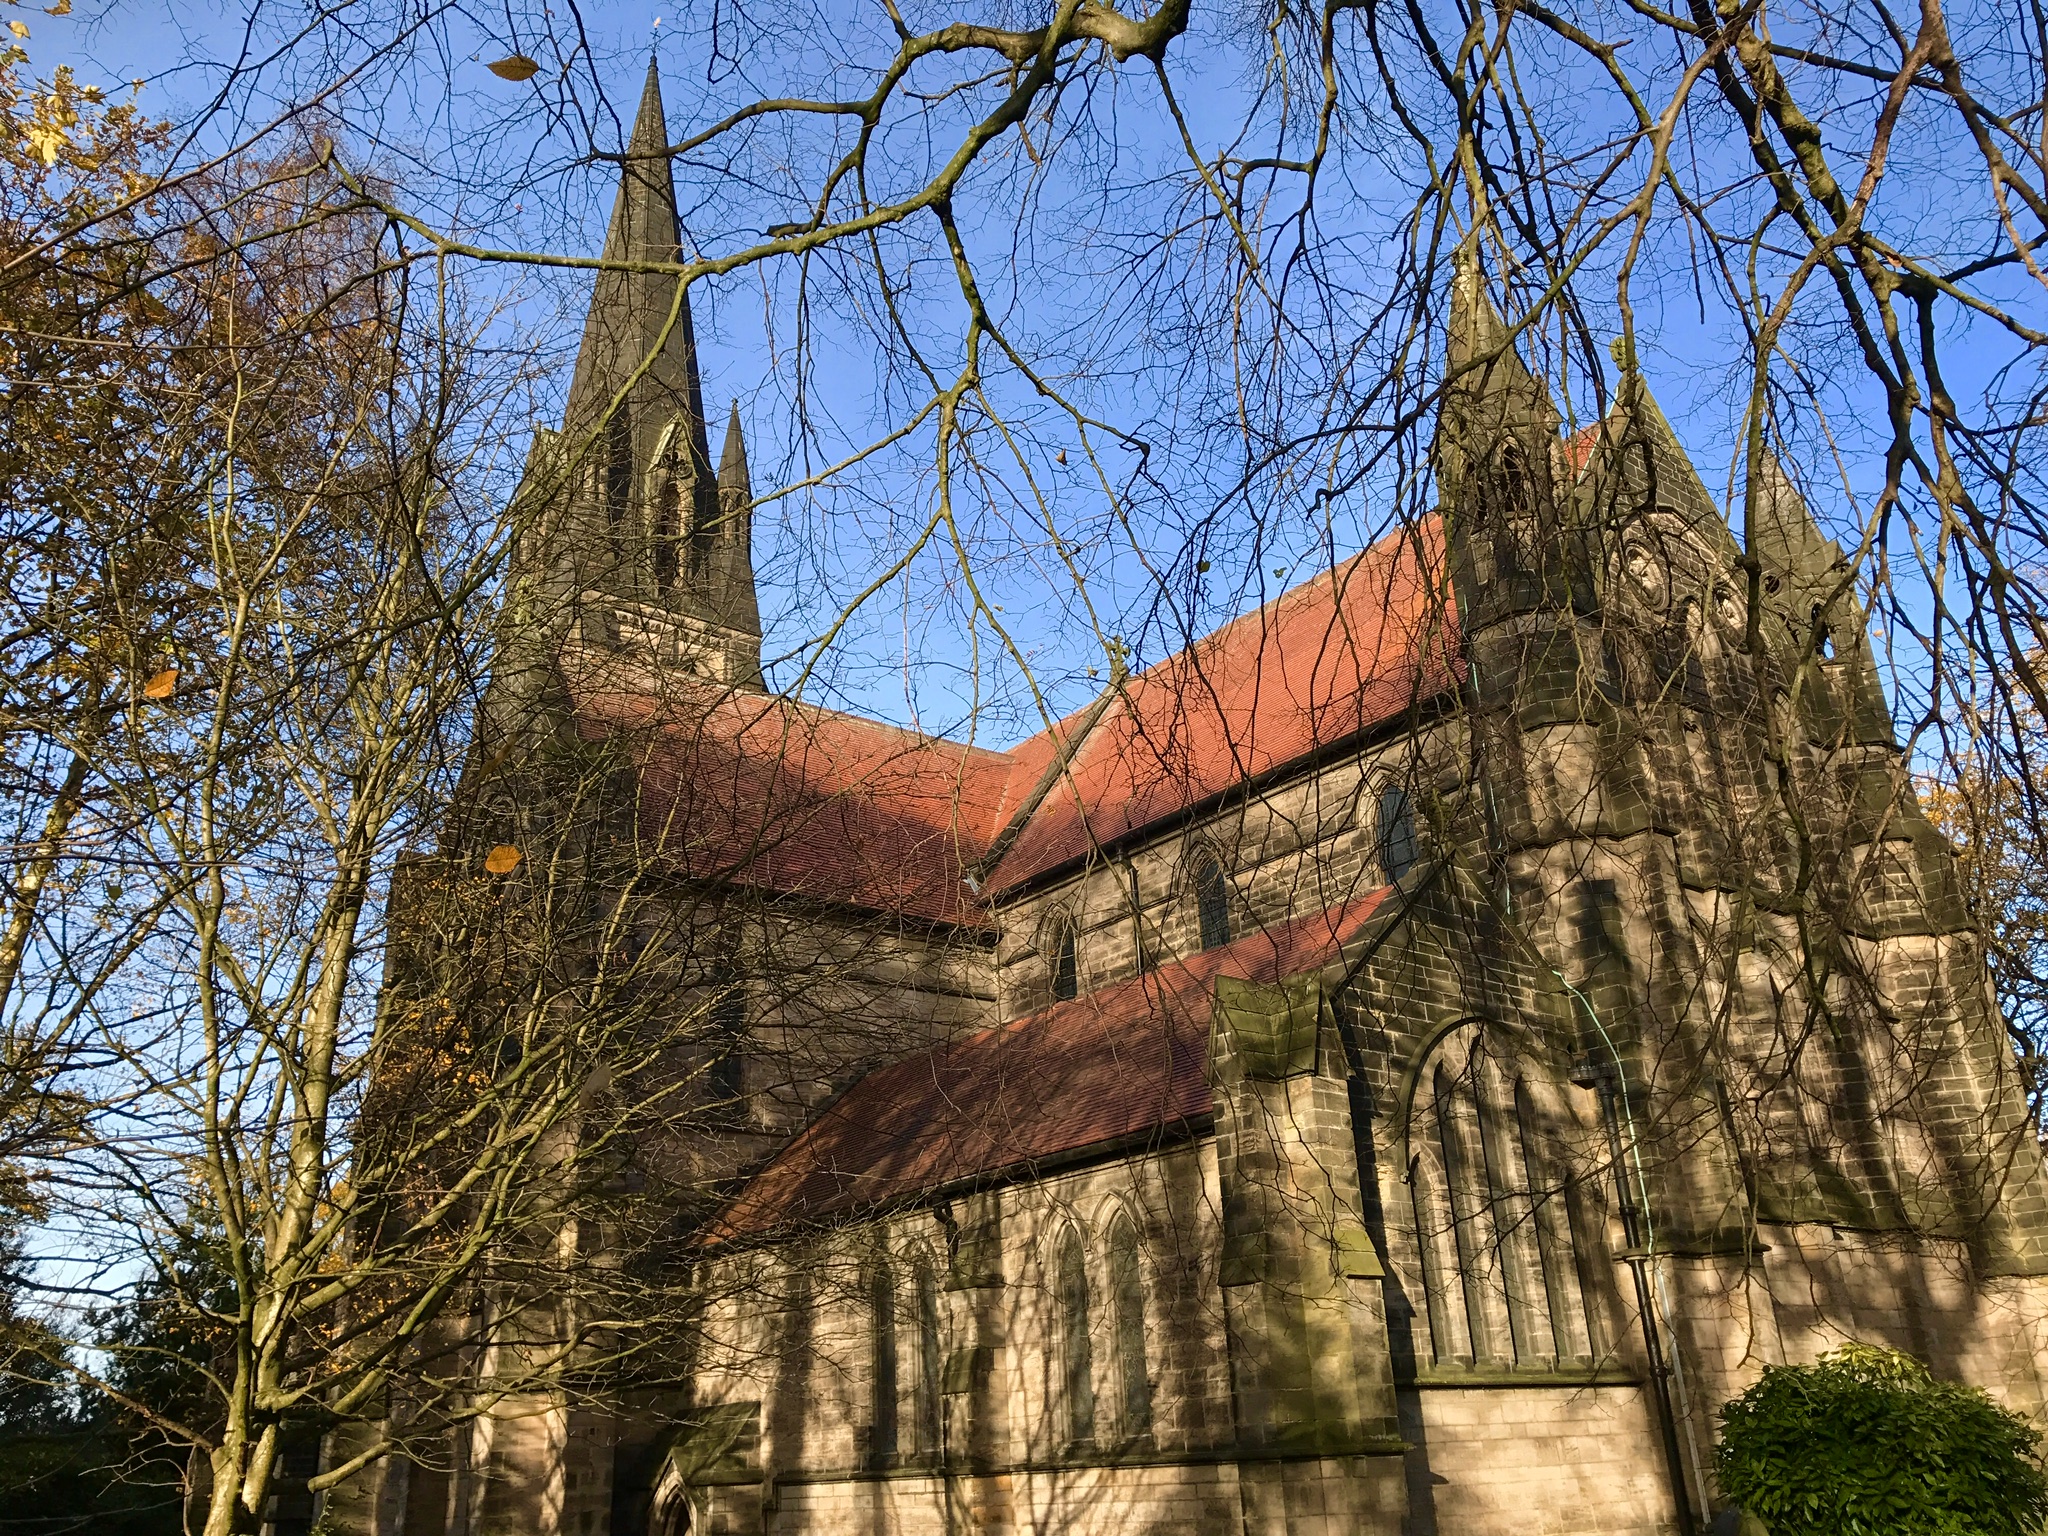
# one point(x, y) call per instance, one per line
point(733, 482)
point(1495, 452)
point(733, 545)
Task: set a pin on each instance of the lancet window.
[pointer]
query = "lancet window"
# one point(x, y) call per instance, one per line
point(668, 516)
point(1507, 507)
point(1076, 1348)
point(1127, 1297)
point(1399, 847)
point(1063, 959)
point(707, 521)
point(1497, 1222)
point(930, 1362)
point(1212, 898)
point(618, 468)
point(883, 1437)
point(728, 1033)
point(668, 505)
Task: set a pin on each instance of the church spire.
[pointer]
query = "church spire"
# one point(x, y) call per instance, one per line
point(734, 484)
point(630, 311)
point(651, 562)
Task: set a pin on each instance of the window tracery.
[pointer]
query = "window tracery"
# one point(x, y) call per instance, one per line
point(618, 468)
point(1507, 507)
point(930, 1361)
point(1399, 848)
point(1497, 1231)
point(1061, 946)
point(882, 1435)
point(1127, 1299)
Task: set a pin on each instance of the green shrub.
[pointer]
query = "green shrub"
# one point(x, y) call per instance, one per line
point(1865, 1442)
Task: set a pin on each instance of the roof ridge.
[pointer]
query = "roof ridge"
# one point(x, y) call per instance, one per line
point(716, 695)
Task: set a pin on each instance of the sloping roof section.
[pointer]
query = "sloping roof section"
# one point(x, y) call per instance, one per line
point(1326, 661)
point(803, 800)
point(791, 798)
point(1122, 1062)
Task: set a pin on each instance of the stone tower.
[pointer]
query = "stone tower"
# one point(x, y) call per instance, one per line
point(1702, 826)
point(634, 545)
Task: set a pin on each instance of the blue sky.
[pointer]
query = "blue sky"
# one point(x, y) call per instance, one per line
point(1071, 265)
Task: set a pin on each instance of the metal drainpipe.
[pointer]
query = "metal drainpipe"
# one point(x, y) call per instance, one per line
point(1638, 1258)
point(1640, 1255)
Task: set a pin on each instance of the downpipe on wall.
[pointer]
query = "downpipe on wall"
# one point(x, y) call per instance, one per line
point(1638, 1234)
point(1638, 1229)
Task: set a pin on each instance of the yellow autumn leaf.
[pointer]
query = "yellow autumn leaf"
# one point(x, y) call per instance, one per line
point(18, 28)
point(61, 8)
point(515, 66)
point(160, 686)
point(502, 860)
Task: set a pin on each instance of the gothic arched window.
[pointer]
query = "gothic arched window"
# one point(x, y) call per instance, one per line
point(1399, 849)
point(930, 1364)
point(1494, 1221)
point(1127, 1297)
point(1507, 506)
point(1212, 899)
point(1139, 952)
point(1062, 948)
point(618, 468)
point(727, 1028)
point(706, 521)
point(1077, 1357)
point(882, 1438)
point(668, 515)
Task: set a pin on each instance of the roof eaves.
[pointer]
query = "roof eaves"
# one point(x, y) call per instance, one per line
point(1152, 1138)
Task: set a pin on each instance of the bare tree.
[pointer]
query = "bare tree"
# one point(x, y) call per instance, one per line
point(1135, 398)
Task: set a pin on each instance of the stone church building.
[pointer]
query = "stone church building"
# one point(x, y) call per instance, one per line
point(1396, 1066)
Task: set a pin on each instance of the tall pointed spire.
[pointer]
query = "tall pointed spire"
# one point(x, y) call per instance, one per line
point(630, 312)
point(637, 548)
point(738, 607)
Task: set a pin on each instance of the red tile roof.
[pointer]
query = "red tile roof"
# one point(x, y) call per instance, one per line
point(1123, 1061)
point(1356, 647)
point(1577, 450)
point(766, 791)
point(803, 800)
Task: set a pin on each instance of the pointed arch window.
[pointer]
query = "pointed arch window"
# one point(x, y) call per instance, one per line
point(930, 1362)
point(725, 1023)
point(1139, 951)
point(1077, 1355)
point(668, 510)
point(1496, 1223)
point(1127, 1297)
point(1063, 954)
point(1212, 899)
point(882, 1436)
point(668, 504)
point(1507, 503)
point(618, 468)
point(727, 1028)
point(706, 517)
point(1400, 850)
